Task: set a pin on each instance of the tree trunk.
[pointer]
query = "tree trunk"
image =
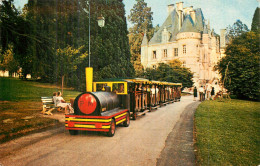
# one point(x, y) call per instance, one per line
point(62, 80)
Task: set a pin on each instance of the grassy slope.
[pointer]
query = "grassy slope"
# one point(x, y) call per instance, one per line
point(20, 99)
point(16, 90)
point(228, 133)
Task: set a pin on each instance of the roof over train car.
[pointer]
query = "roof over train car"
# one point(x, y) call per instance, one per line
point(139, 80)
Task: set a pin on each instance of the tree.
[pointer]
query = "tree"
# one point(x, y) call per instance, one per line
point(47, 26)
point(237, 29)
point(15, 31)
point(7, 61)
point(172, 72)
point(69, 59)
point(255, 26)
point(141, 18)
point(242, 60)
point(110, 55)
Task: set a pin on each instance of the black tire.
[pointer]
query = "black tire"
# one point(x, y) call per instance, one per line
point(127, 121)
point(73, 132)
point(112, 129)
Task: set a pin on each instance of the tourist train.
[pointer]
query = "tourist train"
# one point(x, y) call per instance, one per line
point(111, 102)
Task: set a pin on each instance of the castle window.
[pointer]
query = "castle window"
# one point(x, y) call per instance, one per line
point(154, 54)
point(175, 51)
point(165, 53)
point(184, 49)
point(154, 66)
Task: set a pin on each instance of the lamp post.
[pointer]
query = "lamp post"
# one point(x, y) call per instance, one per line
point(101, 21)
point(89, 70)
point(88, 33)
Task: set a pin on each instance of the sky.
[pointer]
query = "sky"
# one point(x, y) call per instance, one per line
point(220, 13)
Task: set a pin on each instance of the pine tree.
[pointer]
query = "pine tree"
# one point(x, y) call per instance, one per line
point(141, 18)
point(55, 26)
point(110, 55)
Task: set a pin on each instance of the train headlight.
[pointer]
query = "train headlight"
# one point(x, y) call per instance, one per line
point(87, 103)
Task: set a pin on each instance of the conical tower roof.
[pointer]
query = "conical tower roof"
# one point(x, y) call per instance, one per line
point(145, 40)
point(188, 25)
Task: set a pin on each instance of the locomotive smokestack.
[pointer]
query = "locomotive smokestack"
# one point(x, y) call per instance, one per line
point(89, 78)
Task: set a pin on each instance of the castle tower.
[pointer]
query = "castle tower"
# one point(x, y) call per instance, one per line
point(144, 51)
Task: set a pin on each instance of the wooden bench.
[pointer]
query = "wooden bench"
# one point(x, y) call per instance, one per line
point(48, 105)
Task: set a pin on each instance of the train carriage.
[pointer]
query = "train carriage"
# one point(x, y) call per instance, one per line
point(111, 102)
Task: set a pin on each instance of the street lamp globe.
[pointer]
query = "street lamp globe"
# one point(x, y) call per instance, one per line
point(101, 21)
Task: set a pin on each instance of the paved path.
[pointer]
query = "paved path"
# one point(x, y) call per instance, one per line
point(179, 149)
point(139, 144)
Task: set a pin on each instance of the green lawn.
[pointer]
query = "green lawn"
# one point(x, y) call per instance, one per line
point(13, 89)
point(22, 99)
point(227, 133)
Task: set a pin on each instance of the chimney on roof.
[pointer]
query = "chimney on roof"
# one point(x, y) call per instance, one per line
point(187, 10)
point(170, 8)
point(180, 12)
point(179, 5)
point(193, 15)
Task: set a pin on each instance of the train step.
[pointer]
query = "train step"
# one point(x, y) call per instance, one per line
point(142, 113)
point(155, 107)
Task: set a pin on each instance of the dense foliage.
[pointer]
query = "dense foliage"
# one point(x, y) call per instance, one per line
point(141, 18)
point(46, 35)
point(172, 72)
point(15, 37)
point(242, 77)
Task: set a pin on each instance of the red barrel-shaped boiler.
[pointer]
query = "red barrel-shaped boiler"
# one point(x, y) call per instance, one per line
point(94, 103)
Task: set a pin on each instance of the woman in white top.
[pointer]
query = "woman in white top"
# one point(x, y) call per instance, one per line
point(61, 103)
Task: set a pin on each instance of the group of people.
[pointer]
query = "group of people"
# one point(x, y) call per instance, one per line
point(60, 102)
point(204, 93)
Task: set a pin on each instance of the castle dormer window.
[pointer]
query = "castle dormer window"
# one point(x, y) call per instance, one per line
point(165, 35)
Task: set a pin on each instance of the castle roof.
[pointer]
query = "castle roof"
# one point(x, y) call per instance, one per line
point(172, 25)
point(188, 25)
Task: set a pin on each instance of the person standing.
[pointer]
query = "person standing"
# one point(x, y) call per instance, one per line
point(212, 93)
point(208, 92)
point(195, 93)
point(201, 91)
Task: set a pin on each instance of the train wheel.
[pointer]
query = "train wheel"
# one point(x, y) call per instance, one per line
point(112, 129)
point(127, 121)
point(73, 132)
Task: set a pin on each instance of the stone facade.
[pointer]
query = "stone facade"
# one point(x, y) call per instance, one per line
point(185, 35)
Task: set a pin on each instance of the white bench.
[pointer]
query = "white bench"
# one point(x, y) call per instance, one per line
point(48, 105)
